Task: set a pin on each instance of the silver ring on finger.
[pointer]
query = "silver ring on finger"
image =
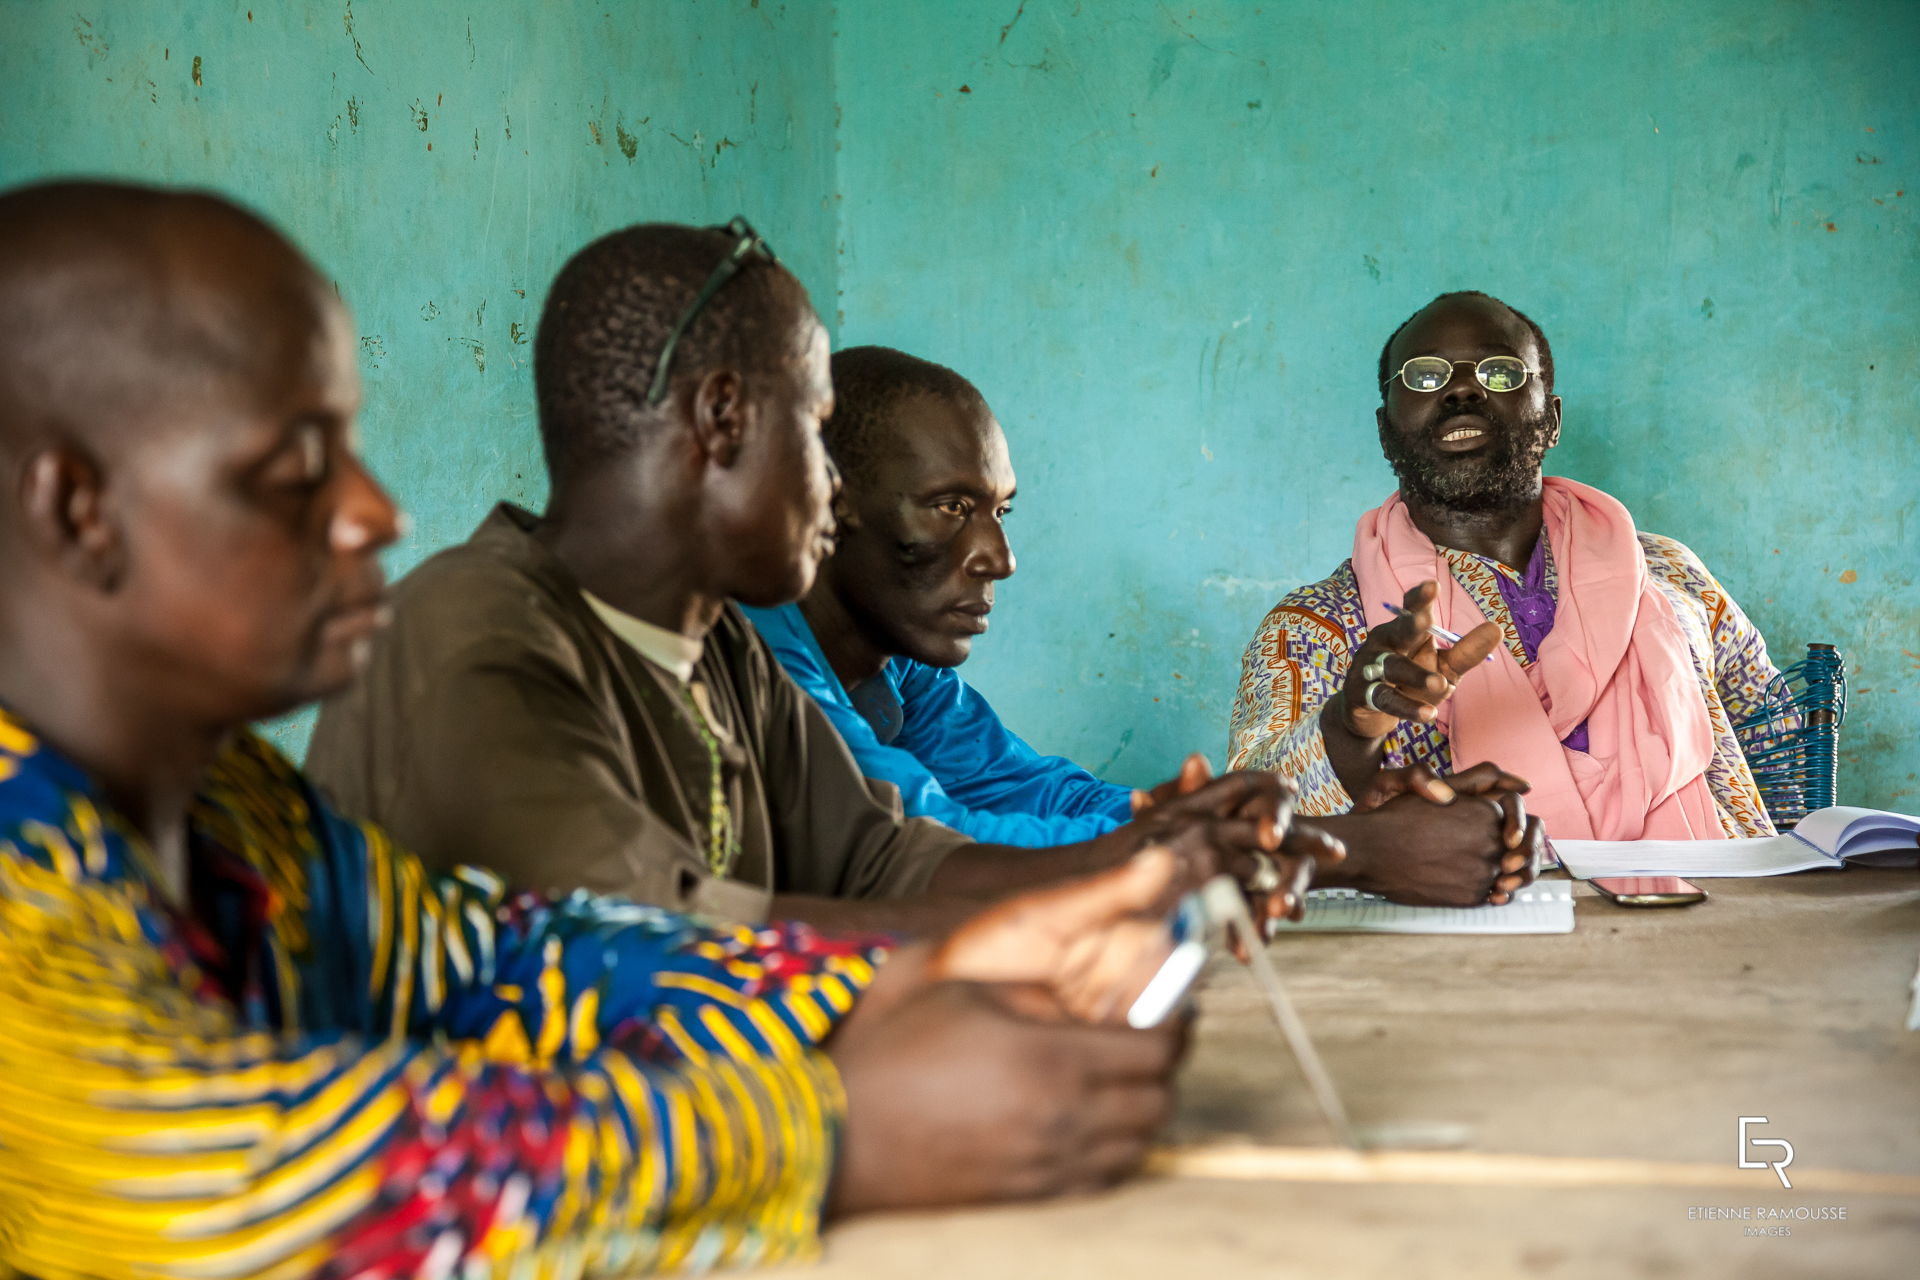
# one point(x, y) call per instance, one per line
point(1367, 697)
point(1376, 671)
point(1266, 873)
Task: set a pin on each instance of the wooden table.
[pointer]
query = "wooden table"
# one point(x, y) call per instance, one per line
point(1643, 1035)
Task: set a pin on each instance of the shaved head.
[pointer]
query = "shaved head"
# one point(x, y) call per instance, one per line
point(869, 384)
point(1543, 352)
point(185, 530)
point(929, 486)
point(116, 300)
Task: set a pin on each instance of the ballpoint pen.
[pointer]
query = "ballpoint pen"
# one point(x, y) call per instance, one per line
point(1438, 633)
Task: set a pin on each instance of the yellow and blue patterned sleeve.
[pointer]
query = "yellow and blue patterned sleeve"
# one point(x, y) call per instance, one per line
point(428, 1077)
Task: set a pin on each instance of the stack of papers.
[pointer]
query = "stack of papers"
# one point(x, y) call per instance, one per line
point(1543, 907)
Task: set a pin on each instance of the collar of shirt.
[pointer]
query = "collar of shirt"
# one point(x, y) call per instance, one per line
point(1532, 601)
point(663, 648)
point(1531, 596)
point(877, 701)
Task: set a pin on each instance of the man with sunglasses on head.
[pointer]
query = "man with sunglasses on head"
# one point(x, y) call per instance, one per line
point(244, 1034)
point(573, 699)
point(1602, 662)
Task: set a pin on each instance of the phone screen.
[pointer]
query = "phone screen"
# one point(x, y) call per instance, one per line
point(1650, 891)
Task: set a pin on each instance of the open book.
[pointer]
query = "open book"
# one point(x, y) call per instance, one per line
point(1825, 838)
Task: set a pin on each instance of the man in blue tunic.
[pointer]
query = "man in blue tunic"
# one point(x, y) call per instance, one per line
point(927, 487)
point(922, 542)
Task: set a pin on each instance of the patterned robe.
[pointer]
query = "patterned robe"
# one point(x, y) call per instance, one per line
point(1298, 659)
point(330, 1063)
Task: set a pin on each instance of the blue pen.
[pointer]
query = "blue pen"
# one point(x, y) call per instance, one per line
point(1438, 633)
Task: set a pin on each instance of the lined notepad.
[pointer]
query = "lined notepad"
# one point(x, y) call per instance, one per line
point(1542, 907)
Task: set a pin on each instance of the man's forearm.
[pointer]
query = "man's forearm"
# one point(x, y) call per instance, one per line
point(967, 879)
point(1354, 759)
point(918, 917)
point(985, 872)
point(1355, 871)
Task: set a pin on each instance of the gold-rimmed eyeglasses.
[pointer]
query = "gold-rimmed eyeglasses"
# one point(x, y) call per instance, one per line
point(1428, 374)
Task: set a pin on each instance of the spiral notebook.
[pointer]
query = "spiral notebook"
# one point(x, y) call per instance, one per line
point(1546, 906)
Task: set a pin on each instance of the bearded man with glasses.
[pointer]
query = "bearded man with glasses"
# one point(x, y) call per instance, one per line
point(1602, 662)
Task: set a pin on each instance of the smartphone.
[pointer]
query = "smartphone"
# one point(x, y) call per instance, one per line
point(1650, 891)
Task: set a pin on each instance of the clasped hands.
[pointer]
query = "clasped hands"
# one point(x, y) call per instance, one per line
point(1412, 836)
point(1399, 675)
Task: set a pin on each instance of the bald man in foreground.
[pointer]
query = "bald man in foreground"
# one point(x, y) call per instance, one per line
point(242, 1035)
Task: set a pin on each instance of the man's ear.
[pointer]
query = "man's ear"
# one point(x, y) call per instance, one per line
point(1380, 417)
point(1553, 410)
point(720, 416)
point(63, 494)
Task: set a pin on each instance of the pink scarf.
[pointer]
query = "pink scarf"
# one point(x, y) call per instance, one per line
point(1616, 659)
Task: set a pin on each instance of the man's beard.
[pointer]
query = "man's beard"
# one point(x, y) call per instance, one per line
point(1505, 475)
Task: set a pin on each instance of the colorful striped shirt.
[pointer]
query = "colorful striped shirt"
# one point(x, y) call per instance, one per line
point(327, 1062)
point(1299, 657)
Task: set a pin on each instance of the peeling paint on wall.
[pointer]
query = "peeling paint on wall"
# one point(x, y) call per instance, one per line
point(320, 112)
point(1093, 205)
point(1179, 472)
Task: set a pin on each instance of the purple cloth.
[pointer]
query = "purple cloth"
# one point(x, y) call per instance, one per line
point(1531, 602)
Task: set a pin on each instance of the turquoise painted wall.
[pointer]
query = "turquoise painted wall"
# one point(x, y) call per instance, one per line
point(1167, 241)
point(441, 160)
